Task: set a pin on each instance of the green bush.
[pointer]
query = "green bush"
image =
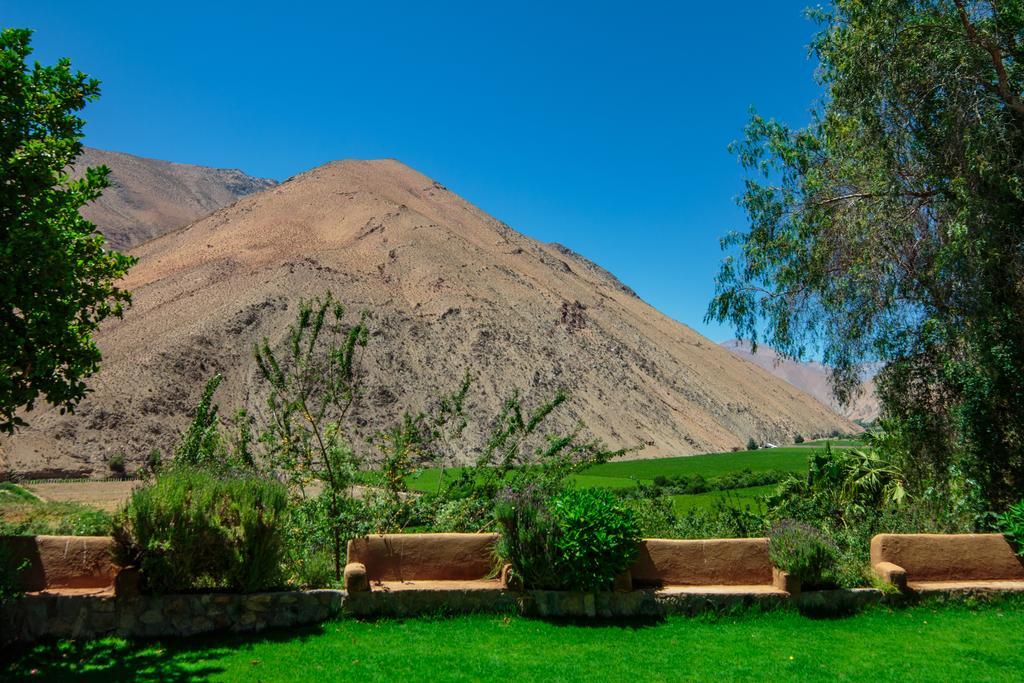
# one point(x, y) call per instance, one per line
point(751, 444)
point(598, 538)
point(193, 529)
point(577, 540)
point(798, 439)
point(1011, 523)
point(805, 553)
point(116, 463)
point(10, 583)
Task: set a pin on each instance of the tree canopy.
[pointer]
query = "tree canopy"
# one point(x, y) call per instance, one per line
point(891, 228)
point(56, 278)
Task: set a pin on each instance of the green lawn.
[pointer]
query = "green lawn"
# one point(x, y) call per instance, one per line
point(913, 644)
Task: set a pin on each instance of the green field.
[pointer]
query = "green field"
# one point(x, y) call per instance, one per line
point(735, 498)
point(924, 643)
point(627, 473)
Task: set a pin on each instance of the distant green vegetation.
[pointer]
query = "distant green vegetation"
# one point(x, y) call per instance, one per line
point(22, 512)
point(626, 474)
point(740, 498)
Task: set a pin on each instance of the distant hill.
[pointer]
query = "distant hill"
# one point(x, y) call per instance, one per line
point(811, 377)
point(149, 197)
point(450, 289)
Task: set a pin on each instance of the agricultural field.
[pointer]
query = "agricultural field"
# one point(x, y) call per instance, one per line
point(923, 643)
point(628, 473)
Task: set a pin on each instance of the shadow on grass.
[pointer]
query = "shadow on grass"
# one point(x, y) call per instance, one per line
point(194, 658)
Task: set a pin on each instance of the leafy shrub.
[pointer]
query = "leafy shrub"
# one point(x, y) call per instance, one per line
point(597, 540)
point(798, 438)
point(751, 444)
point(654, 515)
point(309, 542)
point(527, 533)
point(10, 584)
point(116, 463)
point(580, 539)
point(194, 529)
point(726, 519)
point(805, 553)
point(1011, 523)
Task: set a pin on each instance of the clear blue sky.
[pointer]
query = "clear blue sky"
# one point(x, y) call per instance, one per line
point(602, 126)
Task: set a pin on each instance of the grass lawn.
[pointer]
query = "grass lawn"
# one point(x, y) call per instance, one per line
point(937, 643)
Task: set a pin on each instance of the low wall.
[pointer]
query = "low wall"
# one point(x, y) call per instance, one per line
point(32, 617)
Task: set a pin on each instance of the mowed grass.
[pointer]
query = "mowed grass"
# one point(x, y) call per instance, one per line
point(924, 643)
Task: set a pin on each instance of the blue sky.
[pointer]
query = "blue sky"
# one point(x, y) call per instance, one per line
point(602, 126)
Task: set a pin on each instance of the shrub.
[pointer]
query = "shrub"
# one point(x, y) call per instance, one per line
point(798, 439)
point(598, 538)
point(116, 463)
point(153, 460)
point(726, 519)
point(194, 529)
point(527, 533)
point(10, 582)
point(577, 540)
point(805, 553)
point(751, 444)
point(1011, 523)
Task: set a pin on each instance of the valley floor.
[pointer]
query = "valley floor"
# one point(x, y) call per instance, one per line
point(923, 643)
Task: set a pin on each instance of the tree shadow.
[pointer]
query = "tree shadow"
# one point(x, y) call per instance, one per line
point(175, 660)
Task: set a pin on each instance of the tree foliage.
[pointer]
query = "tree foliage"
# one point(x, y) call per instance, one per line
point(56, 278)
point(890, 228)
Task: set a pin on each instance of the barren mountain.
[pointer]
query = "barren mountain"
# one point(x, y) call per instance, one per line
point(149, 197)
point(449, 289)
point(811, 377)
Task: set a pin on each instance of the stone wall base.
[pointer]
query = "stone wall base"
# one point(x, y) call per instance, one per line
point(32, 617)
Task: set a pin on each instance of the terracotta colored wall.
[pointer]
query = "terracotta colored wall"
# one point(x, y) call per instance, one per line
point(434, 557)
point(727, 562)
point(63, 561)
point(949, 557)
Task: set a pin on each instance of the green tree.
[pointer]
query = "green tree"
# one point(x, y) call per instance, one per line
point(56, 278)
point(315, 386)
point(890, 228)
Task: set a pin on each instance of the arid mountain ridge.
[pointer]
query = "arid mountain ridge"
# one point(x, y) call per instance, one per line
point(150, 197)
point(811, 377)
point(449, 289)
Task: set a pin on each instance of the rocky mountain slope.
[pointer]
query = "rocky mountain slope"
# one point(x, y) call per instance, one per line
point(149, 197)
point(810, 377)
point(449, 289)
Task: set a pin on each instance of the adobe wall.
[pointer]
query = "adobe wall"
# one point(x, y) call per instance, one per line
point(724, 562)
point(432, 557)
point(953, 557)
point(63, 562)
